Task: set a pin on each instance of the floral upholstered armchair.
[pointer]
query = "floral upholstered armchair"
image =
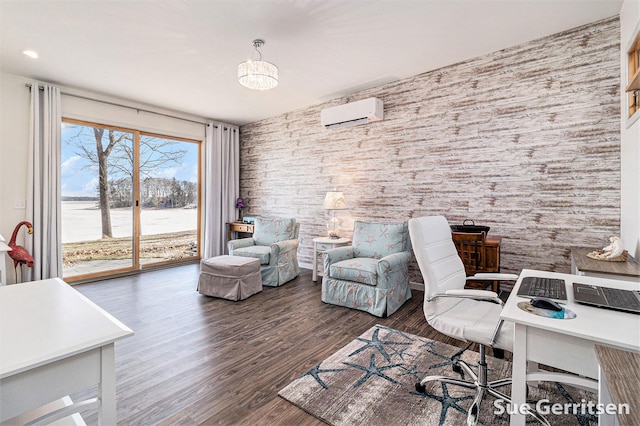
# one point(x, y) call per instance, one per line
point(275, 243)
point(373, 273)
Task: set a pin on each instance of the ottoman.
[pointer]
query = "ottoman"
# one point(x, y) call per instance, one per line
point(230, 277)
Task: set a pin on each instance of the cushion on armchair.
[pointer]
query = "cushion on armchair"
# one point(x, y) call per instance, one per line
point(273, 230)
point(361, 270)
point(378, 240)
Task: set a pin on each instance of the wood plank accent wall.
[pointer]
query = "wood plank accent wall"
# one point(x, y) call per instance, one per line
point(525, 140)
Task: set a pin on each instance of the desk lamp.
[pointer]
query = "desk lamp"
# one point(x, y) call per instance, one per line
point(334, 200)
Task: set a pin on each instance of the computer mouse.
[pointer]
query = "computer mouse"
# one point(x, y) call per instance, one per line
point(544, 303)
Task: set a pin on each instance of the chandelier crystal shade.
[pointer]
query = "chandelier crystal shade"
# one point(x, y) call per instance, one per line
point(258, 75)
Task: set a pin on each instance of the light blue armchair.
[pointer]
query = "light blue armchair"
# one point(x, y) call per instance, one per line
point(275, 243)
point(373, 274)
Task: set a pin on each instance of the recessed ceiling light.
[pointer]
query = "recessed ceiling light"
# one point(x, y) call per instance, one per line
point(30, 53)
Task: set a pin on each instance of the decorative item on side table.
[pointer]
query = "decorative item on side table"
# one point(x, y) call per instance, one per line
point(614, 252)
point(470, 227)
point(240, 205)
point(334, 200)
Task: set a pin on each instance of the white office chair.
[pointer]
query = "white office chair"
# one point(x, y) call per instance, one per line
point(468, 315)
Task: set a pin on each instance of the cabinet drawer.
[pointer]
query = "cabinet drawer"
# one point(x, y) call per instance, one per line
point(242, 228)
point(325, 246)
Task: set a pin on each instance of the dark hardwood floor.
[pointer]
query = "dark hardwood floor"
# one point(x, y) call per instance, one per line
point(199, 360)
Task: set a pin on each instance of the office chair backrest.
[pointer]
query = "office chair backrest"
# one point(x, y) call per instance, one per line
point(438, 260)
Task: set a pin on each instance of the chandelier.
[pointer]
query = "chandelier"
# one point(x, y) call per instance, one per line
point(258, 75)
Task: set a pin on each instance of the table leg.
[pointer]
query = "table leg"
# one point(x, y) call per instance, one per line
point(604, 398)
point(314, 262)
point(519, 375)
point(107, 386)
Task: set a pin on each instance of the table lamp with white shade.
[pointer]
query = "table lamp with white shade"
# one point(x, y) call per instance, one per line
point(334, 200)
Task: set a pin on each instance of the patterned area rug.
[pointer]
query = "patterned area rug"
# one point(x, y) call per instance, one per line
point(371, 381)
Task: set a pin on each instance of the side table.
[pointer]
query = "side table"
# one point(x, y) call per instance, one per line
point(322, 244)
point(238, 227)
point(585, 266)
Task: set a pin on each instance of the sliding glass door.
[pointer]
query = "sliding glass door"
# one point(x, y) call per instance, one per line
point(129, 200)
point(168, 199)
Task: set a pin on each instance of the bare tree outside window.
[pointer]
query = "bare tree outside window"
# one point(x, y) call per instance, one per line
point(111, 152)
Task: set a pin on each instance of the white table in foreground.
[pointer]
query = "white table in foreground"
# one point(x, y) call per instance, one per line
point(567, 344)
point(322, 244)
point(55, 342)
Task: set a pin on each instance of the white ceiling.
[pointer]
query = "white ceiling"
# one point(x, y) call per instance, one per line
point(183, 54)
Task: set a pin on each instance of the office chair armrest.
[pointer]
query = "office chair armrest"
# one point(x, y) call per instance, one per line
point(496, 332)
point(493, 277)
point(481, 295)
point(475, 293)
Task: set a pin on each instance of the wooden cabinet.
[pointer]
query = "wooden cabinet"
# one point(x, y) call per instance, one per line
point(492, 253)
point(479, 254)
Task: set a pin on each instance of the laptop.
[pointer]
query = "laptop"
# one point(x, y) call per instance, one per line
point(551, 288)
point(605, 297)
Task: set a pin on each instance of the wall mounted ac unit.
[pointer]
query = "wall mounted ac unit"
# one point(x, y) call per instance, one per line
point(352, 114)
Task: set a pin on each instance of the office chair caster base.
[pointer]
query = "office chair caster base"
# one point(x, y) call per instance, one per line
point(456, 368)
point(480, 385)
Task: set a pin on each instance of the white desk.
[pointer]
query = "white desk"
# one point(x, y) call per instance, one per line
point(55, 342)
point(322, 244)
point(566, 344)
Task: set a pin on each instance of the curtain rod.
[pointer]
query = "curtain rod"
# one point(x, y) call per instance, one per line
point(126, 106)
